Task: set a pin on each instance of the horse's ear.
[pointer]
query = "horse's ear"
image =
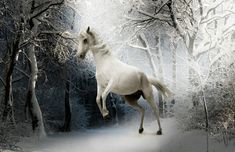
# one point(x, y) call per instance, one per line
point(88, 29)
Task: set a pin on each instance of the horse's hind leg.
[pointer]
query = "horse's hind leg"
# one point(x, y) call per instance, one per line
point(156, 112)
point(148, 95)
point(135, 105)
point(141, 110)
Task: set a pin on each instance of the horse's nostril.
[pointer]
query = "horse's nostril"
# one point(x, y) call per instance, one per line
point(81, 56)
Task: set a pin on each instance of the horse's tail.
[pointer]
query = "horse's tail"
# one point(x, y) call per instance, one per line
point(160, 86)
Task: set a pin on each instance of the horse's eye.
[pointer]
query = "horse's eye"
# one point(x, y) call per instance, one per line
point(85, 41)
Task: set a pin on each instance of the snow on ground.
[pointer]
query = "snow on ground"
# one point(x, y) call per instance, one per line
point(126, 139)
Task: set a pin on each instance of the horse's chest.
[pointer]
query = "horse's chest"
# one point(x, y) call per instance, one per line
point(102, 79)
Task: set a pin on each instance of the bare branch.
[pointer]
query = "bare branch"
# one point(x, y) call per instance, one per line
point(61, 34)
point(204, 51)
point(17, 79)
point(23, 72)
point(1, 79)
point(153, 16)
point(174, 20)
point(200, 7)
point(44, 9)
point(226, 30)
point(161, 7)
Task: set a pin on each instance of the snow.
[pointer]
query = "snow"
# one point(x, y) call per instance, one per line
point(126, 139)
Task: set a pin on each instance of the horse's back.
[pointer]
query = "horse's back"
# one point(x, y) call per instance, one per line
point(127, 79)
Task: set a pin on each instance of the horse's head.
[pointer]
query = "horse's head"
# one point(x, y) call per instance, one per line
point(85, 42)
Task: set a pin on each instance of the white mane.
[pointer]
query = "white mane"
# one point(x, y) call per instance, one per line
point(99, 45)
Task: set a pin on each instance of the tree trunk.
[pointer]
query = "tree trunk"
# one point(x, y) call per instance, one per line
point(144, 42)
point(32, 102)
point(190, 47)
point(8, 97)
point(173, 51)
point(67, 108)
point(160, 72)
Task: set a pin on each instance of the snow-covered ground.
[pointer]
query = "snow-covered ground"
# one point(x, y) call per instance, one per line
point(126, 139)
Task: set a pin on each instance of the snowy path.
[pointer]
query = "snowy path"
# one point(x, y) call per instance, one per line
point(126, 139)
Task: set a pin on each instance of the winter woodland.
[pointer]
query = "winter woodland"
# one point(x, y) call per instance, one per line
point(45, 89)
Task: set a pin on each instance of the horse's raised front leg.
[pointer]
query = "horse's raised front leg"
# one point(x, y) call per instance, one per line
point(104, 96)
point(98, 98)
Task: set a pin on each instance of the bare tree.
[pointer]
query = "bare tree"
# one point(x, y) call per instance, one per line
point(26, 17)
point(13, 53)
point(196, 22)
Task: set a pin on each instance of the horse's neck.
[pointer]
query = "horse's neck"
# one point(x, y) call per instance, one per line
point(101, 52)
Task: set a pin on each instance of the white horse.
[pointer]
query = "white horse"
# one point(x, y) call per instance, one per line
point(112, 75)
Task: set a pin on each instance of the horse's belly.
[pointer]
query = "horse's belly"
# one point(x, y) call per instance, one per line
point(123, 92)
point(126, 86)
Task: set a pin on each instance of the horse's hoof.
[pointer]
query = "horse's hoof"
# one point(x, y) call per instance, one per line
point(105, 113)
point(159, 132)
point(141, 130)
point(106, 117)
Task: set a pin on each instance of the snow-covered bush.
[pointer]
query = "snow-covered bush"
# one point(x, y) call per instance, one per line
point(80, 115)
point(217, 91)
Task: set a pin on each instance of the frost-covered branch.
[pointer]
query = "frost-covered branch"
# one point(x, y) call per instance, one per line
point(138, 47)
point(144, 42)
point(211, 8)
point(216, 17)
